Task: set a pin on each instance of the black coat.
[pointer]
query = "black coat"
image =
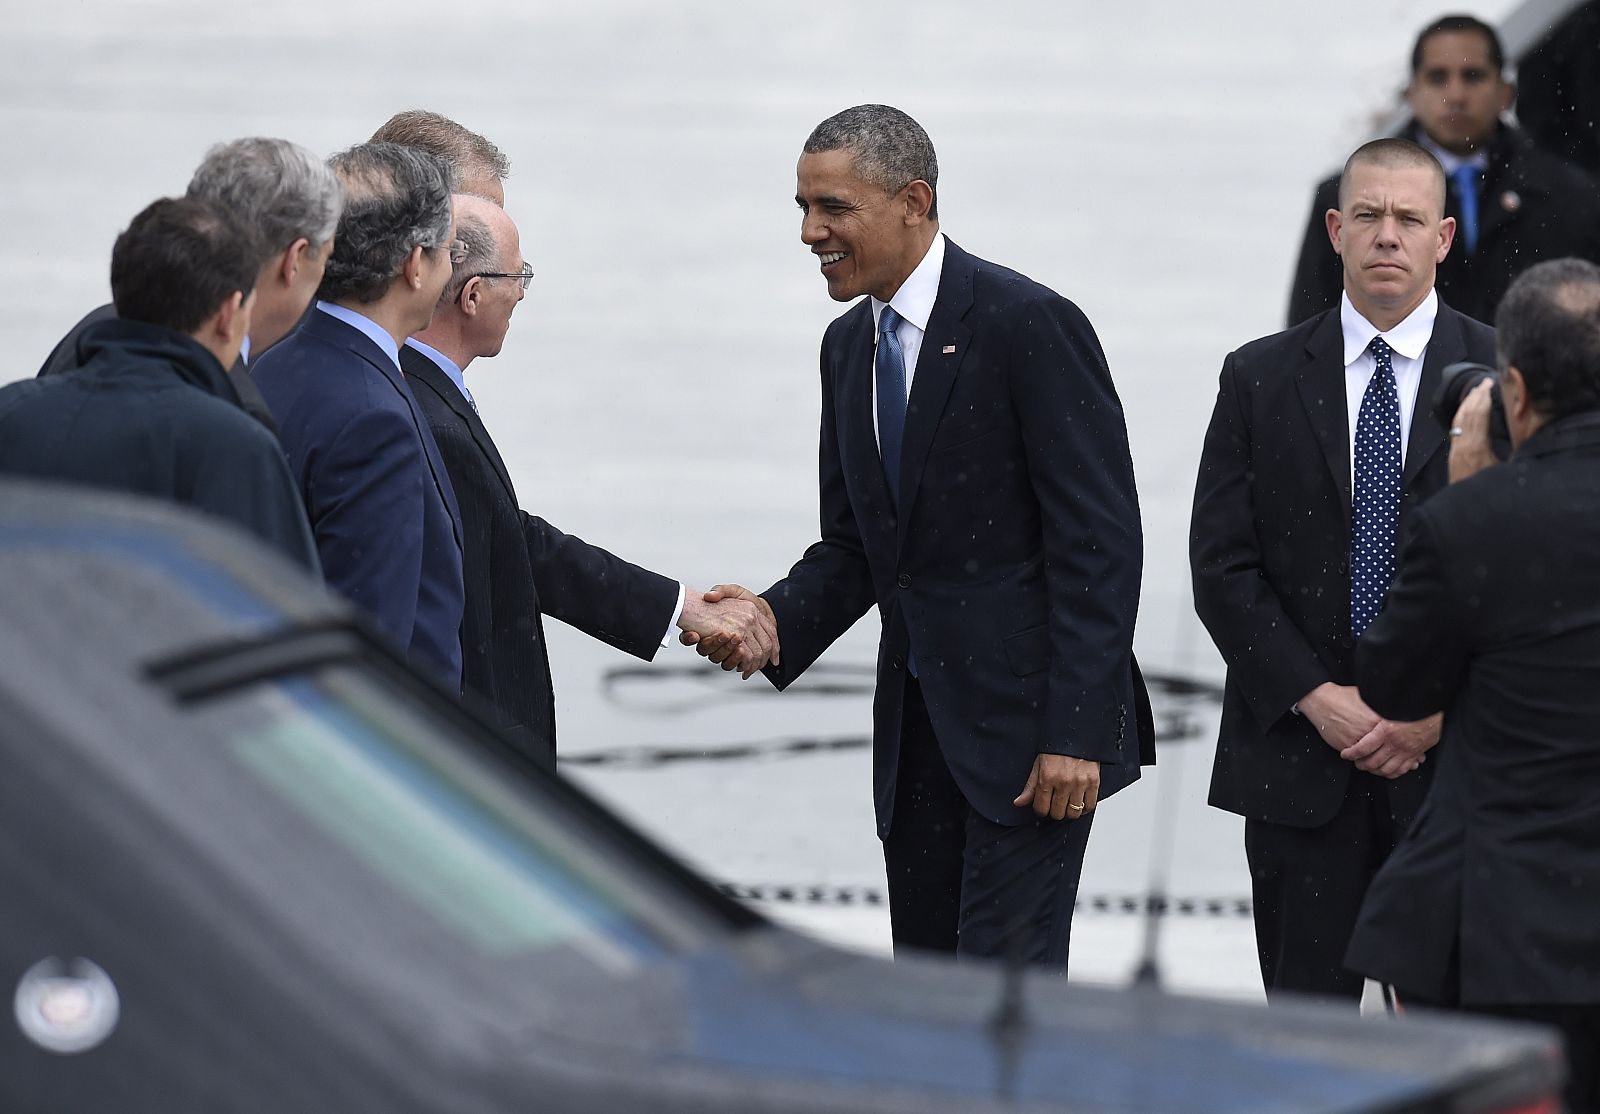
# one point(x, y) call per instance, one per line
point(1012, 567)
point(516, 565)
point(1532, 207)
point(151, 411)
point(1269, 548)
point(68, 356)
point(1495, 619)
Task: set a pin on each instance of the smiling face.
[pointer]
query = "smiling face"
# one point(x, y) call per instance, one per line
point(1391, 234)
point(1457, 93)
point(866, 241)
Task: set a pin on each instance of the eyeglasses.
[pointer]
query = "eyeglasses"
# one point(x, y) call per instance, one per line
point(458, 251)
point(526, 275)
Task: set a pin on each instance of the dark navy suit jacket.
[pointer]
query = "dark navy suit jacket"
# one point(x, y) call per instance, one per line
point(1011, 568)
point(519, 567)
point(380, 502)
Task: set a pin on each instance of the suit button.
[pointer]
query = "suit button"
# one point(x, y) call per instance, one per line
point(897, 663)
point(1344, 565)
point(1347, 642)
point(905, 580)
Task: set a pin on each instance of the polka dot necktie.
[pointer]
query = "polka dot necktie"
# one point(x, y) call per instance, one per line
point(889, 366)
point(1375, 514)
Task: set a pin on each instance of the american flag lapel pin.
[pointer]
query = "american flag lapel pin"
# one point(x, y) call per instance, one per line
point(949, 350)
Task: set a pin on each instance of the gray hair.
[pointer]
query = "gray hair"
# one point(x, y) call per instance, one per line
point(470, 155)
point(396, 199)
point(481, 249)
point(889, 148)
point(278, 188)
point(1548, 327)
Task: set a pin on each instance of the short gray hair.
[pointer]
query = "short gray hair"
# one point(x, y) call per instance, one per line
point(481, 248)
point(889, 148)
point(278, 188)
point(396, 198)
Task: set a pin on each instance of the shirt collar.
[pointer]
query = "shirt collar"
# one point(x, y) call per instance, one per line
point(1451, 162)
point(367, 325)
point(1408, 338)
point(244, 350)
point(446, 364)
point(914, 300)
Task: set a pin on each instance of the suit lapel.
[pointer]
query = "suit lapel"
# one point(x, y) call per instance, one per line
point(1322, 392)
point(1446, 346)
point(432, 376)
point(944, 346)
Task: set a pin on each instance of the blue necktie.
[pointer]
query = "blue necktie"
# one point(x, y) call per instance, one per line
point(1465, 178)
point(1375, 514)
point(889, 367)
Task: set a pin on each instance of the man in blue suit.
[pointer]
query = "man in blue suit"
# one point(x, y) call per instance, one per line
point(976, 486)
point(380, 502)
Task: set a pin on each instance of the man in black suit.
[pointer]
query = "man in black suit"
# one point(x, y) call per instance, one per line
point(291, 200)
point(976, 486)
point(1291, 547)
point(1513, 203)
point(1492, 901)
point(516, 565)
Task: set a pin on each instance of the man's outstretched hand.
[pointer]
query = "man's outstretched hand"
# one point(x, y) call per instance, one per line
point(732, 626)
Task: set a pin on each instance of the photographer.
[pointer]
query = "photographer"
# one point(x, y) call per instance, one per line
point(1491, 902)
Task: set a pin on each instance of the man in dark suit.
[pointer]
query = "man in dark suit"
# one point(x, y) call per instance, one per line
point(150, 411)
point(975, 486)
point(1321, 444)
point(288, 197)
point(1513, 204)
point(1492, 901)
point(380, 502)
point(515, 564)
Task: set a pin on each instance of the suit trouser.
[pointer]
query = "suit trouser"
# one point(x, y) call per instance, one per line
point(963, 884)
point(1308, 885)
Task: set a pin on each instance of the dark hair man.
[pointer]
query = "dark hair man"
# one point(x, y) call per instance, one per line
point(1489, 903)
point(380, 502)
point(1513, 204)
point(516, 566)
point(151, 410)
point(1320, 446)
point(479, 166)
point(976, 486)
point(291, 200)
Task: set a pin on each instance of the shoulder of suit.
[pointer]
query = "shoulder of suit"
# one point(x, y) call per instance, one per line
point(1274, 347)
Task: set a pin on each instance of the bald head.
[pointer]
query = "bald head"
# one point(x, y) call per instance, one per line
point(1392, 153)
point(475, 309)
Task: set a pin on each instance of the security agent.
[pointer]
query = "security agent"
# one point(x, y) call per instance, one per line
point(151, 410)
point(1513, 204)
point(1489, 903)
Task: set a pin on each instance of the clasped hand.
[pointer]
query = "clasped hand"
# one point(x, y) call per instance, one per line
point(732, 626)
point(1386, 747)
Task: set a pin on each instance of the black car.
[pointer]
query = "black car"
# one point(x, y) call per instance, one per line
point(251, 862)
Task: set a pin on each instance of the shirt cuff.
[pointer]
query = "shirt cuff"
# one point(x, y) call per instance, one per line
point(677, 613)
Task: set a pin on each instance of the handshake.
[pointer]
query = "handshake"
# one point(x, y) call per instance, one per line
point(732, 626)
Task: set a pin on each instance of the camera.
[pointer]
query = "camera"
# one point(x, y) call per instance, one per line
point(1454, 383)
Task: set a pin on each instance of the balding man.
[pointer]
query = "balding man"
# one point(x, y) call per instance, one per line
point(291, 200)
point(480, 167)
point(517, 566)
point(1320, 444)
point(379, 500)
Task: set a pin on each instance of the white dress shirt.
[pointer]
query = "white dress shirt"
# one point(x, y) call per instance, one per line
point(914, 303)
point(1408, 342)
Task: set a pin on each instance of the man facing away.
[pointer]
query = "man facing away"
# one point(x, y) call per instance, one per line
point(976, 486)
point(1320, 446)
point(376, 490)
point(1489, 903)
point(517, 566)
point(291, 200)
point(150, 410)
point(1513, 204)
